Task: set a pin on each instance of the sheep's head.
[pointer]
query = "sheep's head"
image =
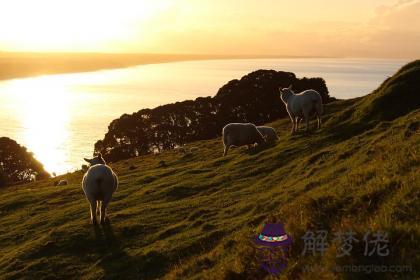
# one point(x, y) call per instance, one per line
point(96, 160)
point(262, 139)
point(265, 139)
point(285, 93)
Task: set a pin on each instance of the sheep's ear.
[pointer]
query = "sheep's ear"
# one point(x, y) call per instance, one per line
point(88, 160)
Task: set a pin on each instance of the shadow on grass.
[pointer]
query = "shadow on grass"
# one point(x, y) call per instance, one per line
point(118, 264)
point(114, 260)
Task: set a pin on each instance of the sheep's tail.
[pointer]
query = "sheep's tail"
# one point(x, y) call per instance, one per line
point(98, 182)
point(100, 193)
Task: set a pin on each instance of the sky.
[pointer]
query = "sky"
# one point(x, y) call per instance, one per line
point(357, 28)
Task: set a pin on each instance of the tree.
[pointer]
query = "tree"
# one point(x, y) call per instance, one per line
point(254, 98)
point(17, 164)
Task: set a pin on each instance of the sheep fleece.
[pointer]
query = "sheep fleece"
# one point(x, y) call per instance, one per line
point(99, 182)
point(239, 134)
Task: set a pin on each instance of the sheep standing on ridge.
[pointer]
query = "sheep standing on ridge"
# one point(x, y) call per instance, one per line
point(240, 134)
point(269, 134)
point(302, 105)
point(99, 183)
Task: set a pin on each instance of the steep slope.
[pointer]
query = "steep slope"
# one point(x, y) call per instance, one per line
point(397, 96)
point(193, 215)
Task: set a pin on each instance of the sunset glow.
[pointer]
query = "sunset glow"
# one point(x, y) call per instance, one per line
point(376, 28)
point(49, 25)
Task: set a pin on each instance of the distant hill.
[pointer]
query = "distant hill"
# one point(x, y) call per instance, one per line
point(21, 65)
point(193, 215)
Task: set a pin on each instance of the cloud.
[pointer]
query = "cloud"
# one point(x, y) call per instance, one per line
point(395, 30)
point(384, 9)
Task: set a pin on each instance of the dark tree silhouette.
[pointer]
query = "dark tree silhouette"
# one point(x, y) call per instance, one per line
point(17, 164)
point(254, 98)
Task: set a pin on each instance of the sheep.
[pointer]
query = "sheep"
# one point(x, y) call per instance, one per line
point(98, 184)
point(269, 134)
point(240, 134)
point(61, 183)
point(302, 105)
point(187, 150)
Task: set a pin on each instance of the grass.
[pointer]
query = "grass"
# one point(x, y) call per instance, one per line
point(180, 216)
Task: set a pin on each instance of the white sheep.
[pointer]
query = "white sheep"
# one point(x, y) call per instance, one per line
point(187, 150)
point(240, 134)
point(269, 134)
point(302, 105)
point(99, 183)
point(61, 183)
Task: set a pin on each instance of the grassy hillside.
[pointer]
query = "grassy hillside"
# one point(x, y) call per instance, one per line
point(178, 216)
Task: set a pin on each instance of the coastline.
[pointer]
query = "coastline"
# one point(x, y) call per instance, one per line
point(25, 65)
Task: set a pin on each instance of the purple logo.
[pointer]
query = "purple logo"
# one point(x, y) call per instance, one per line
point(273, 246)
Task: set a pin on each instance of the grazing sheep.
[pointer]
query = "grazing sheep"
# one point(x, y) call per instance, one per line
point(187, 150)
point(302, 105)
point(269, 134)
point(99, 183)
point(240, 134)
point(61, 183)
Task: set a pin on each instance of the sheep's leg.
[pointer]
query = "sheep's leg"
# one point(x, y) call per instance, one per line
point(104, 205)
point(98, 207)
point(293, 124)
point(319, 120)
point(306, 115)
point(93, 212)
point(226, 150)
point(298, 119)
